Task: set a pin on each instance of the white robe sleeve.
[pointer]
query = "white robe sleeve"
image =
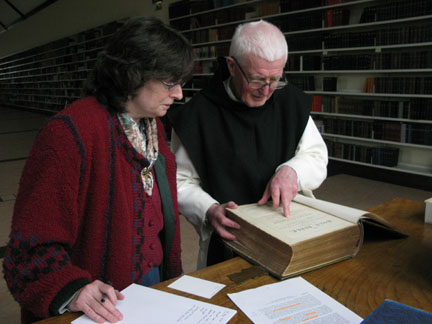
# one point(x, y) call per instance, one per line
point(193, 201)
point(310, 159)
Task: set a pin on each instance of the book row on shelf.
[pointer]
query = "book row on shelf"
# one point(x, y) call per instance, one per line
point(396, 10)
point(199, 27)
point(378, 155)
point(385, 85)
point(386, 10)
point(388, 36)
point(39, 93)
point(328, 39)
point(51, 76)
point(411, 133)
point(90, 39)
point(420, 59)
point(64, 56)
point(211, 51)
point(71, 62)
point(415, 109)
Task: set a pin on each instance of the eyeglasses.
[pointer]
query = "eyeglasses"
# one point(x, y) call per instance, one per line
point(171, 85)
point(259, 84)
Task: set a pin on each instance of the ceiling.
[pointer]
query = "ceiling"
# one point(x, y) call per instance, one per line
point(14, 11)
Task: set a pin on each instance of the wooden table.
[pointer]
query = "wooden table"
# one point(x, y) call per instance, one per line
point(384, 268)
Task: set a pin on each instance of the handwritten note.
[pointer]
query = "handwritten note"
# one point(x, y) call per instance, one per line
point(151, 306)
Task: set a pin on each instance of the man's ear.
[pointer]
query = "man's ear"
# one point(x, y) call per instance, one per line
point(231, 65)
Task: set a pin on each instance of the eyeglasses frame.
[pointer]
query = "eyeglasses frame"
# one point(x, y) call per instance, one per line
point(279, 84)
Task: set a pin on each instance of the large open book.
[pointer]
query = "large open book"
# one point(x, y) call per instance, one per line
point(316, 233)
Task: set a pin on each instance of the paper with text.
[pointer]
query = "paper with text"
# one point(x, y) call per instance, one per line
point(290, 302)
point(151, 306)
point(197, 286)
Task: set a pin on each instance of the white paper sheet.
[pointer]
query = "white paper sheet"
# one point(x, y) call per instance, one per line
point(197, 286)
point(290, 302)
point(151, 306)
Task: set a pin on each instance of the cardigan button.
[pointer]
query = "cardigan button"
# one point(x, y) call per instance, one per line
point(151, 223)
point(150, 264)
point(152, 246)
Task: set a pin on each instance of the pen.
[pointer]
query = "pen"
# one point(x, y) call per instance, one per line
point(104, 296)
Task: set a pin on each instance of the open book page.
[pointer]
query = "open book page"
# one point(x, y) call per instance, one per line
point(292, 301)
point(350, 214)
point(304, 223)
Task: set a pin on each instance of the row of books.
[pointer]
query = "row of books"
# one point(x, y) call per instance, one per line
point(215, 18)
point(390, 85)
point(378, 155)
point(31, 78)
point(211, 51)
point(303, 82)
point(379, 130)
point(87, 40)
point(42, 92)
point(187, 7)
point(416, 109)
point(59, 100)
point(421, 59)
point(396, 10)
point(381, 37)
point(42, 69)
point(302, 21)
point(336, 17)
point(388, 36)
point(409, 85)
point(41, 106)
point(293, 5)
point(54, 84)
point(69, 54)
point(405, 35)
point(348, 62)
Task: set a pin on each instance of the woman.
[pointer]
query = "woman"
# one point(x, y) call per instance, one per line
point(97, 201)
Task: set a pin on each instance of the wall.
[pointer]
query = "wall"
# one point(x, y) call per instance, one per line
point(68, 17)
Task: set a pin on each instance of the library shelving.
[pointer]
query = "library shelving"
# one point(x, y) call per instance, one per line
point(49, 77)
point(368, 64)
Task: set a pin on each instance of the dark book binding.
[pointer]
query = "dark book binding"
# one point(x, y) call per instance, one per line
point(392, 312)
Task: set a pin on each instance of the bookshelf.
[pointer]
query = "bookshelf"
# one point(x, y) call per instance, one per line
point(368, 64)
point(50, 77)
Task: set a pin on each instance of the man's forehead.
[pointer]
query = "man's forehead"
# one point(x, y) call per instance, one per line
point(256, 67)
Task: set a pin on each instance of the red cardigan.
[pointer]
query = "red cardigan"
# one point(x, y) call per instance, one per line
point(81, 212)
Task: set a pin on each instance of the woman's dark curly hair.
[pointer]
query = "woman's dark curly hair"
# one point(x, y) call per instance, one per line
point(144, 48)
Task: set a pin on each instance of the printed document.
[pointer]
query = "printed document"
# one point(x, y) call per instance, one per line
point(290, 302)
point(151, 306)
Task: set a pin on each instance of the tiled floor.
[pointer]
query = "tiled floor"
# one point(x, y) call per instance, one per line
point(18, 130)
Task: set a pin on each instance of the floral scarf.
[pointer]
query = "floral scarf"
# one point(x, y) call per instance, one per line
point(143, 136)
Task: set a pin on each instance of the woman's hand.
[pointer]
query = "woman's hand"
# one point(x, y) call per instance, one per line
point(97, 300)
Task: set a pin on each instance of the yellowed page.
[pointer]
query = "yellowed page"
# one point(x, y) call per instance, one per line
point(349, 214)
point(303, 223)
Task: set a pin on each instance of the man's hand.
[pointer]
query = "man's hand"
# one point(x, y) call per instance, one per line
point(216, 216)
point(281, 187)
point(89, 301)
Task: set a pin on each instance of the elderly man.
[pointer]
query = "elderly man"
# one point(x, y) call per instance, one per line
point(246, 138)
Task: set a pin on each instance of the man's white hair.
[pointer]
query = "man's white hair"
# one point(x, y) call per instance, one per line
point(259, 38)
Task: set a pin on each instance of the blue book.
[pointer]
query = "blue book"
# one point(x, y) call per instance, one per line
point(391, 312)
